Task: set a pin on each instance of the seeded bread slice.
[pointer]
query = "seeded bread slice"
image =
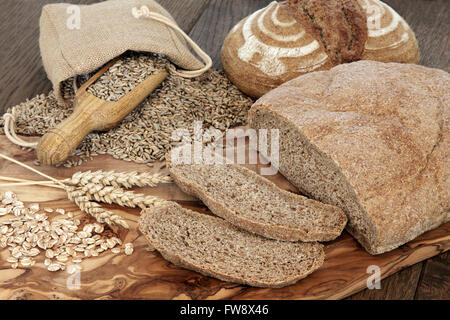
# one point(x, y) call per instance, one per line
point(216, 248)
point(256, 204)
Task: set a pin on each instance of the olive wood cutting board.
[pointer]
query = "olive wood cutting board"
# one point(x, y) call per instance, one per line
point(146, 275)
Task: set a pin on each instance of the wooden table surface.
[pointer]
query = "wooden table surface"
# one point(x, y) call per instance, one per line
point(208, 21)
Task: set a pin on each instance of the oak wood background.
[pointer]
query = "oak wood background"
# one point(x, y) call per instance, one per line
point(207, 22)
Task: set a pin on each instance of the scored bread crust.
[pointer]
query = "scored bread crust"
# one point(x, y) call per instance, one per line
point(270, 230)
point(181, 256)
point(251, 54)
point(378, 134)
point(252, 78)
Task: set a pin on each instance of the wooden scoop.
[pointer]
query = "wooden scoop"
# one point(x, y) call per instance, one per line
point(91, 114)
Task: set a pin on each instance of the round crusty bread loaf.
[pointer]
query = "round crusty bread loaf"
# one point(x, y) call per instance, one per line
point(270, 46)
point(371, 138)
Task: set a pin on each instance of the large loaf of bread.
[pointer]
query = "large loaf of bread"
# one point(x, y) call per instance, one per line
point(290, 38)
point(371, 138)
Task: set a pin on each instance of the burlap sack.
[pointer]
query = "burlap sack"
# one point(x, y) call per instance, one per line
point(106, 30)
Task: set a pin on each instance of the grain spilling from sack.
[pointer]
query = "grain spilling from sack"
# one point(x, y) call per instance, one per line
point(144, 136)
point(124, 75)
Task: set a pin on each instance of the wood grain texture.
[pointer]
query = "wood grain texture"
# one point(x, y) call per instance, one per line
point(400, 286)
point(217, 20)
point(146, 275)
point(22, 76)
point(430, 20)
point(435, 279)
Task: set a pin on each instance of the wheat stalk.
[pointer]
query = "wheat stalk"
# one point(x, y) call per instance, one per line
point(79, 197)
point(85, 187)
point(117, 179)
point(110, 194)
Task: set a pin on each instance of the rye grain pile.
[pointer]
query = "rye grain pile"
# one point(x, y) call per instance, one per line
point(145, 135)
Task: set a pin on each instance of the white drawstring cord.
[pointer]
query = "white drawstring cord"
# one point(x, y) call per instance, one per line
point(10, 130)
point(145, 12)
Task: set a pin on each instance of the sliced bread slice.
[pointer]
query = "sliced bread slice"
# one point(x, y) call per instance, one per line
point(251, 202)
point(216, 248)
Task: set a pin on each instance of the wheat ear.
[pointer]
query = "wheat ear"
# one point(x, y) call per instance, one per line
point(118, 179)
point(110, 194)
point(79, 197)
